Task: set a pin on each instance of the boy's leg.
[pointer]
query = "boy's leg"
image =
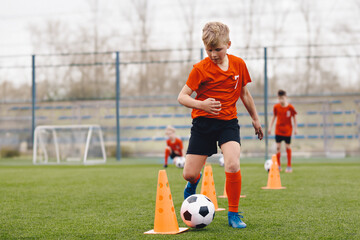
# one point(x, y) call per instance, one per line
point(289, 153)
point(278, 153)
point(167, 154)
point(192, 172)
point(231, 152)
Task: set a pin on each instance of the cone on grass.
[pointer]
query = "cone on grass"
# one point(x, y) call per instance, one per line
point(165, 218)
point(225, 194)
point(274, 181)
point(208, 187)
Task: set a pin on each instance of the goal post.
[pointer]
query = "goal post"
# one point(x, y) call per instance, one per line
point(61, 144)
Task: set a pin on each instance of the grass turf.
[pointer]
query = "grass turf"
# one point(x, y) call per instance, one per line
point(117, 201)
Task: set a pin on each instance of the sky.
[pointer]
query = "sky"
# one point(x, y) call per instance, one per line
point(167, 18)
point(167, 22)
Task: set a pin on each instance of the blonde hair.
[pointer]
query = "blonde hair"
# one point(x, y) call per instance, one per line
point(215, 33)
point(169, 129)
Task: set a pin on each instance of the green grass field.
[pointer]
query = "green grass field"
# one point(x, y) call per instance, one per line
point(117, 201)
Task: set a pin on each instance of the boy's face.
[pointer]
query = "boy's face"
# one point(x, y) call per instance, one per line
point(217, 54)
point(170, 134)
point(282, 100)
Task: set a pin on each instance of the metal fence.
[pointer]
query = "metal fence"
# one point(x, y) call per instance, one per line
point(132, 95)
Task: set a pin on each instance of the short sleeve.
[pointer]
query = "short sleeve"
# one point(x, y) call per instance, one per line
point(180, 143)
point(293, 111)
point(194, 79)
point(245, 74)
point(275, 110)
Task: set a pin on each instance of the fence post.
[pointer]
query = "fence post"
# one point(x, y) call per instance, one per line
point(265, 105)
point(33, 96)
point(118, 147)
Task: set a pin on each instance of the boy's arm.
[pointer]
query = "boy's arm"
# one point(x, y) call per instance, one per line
point(271, 124)
point(249, 104)
point(295, 125)
point(209, 105)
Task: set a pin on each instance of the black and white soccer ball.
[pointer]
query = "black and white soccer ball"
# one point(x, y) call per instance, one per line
point(197, 211)
point(267, 164)
point(179, 162)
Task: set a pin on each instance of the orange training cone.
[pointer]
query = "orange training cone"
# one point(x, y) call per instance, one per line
point(165, 218)
point(208, 187)
point(274, 176)
point(225, 194)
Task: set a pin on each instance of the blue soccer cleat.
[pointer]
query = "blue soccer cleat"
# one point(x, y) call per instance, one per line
point(190, 188)
point(235, 220)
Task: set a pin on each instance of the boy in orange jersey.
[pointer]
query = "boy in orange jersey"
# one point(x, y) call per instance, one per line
point(219, 81)
point(285, 113)
point(174, 146)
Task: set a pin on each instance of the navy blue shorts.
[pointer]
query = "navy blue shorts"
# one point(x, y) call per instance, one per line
point(279, 139)
point(173, 154)
point(206, 132)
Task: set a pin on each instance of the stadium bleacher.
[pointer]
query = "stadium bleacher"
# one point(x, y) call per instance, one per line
point(145, 122)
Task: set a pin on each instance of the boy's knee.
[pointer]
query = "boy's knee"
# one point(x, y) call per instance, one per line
point(189, 176)
point(232, 166)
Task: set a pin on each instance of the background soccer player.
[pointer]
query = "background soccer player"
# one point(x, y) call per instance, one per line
point(285, 113)
point(174, 145)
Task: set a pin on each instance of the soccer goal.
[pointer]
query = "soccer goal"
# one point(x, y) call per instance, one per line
point(61, 144)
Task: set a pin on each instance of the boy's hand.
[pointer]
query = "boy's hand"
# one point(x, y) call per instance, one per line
point(212, 106)
point(258, 130)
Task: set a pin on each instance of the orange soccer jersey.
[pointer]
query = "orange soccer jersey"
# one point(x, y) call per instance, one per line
point(283, 122)
point(175, 146)
point(209, 81)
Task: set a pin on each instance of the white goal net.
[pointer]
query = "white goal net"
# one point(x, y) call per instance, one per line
point(61, 144)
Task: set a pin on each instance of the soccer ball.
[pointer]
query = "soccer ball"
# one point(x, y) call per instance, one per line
point(179, 162)
point(267, 164)
point(197, 211)
point(221, 161)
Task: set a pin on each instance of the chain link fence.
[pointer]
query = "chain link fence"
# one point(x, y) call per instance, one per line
point(81, 88)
